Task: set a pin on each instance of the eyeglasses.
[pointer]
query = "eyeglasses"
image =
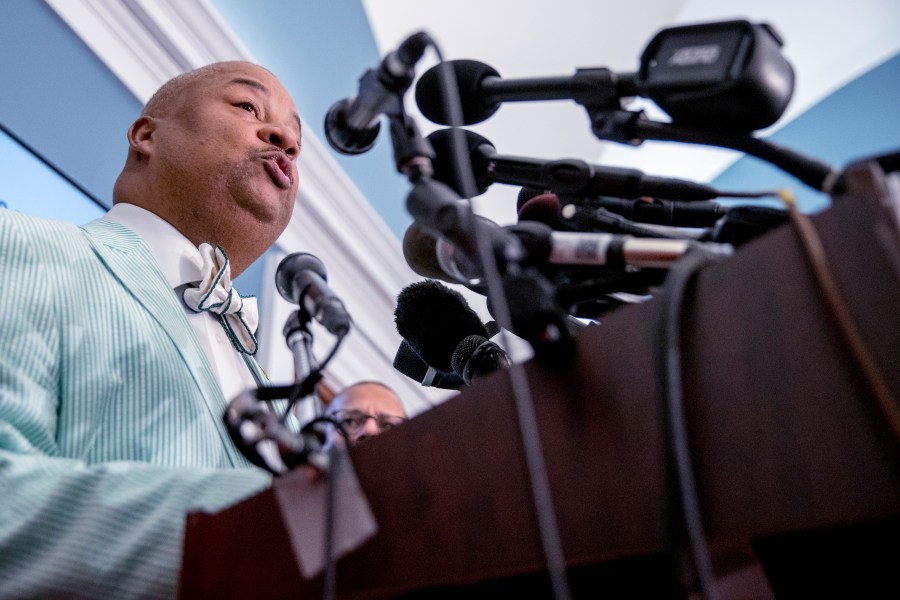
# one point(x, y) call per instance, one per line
point(354, 420)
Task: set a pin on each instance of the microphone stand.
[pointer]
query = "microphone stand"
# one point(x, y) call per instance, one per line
point(263, 436)
point(299, 339)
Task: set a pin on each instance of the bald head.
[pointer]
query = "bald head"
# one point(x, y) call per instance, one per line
point(366, 409)
point(214, 153)
point(171, 95)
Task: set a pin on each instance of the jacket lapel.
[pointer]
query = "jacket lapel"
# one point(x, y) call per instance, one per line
point(130, 261)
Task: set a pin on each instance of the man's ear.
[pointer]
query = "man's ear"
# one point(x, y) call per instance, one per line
point(140, 135)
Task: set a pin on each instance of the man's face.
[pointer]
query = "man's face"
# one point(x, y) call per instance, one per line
point(366, 410)
point(227, 153)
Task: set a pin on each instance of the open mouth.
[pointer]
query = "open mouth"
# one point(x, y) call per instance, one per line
point(280, 170)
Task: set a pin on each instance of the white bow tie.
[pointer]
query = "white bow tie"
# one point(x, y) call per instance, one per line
point(214, 293)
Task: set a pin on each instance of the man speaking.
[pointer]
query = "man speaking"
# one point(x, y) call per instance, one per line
point(122, 341)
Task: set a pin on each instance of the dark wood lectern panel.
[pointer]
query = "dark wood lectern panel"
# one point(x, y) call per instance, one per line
point(783, 433)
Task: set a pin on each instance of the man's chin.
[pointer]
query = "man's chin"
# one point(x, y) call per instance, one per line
point(271, 210)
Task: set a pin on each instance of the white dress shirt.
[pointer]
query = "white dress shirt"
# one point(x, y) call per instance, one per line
point(180, 262)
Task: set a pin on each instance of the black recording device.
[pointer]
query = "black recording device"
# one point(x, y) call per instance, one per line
point(728, 76)
point(264, 439)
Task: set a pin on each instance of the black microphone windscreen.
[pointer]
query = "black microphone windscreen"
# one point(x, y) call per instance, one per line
point(434, 319)
point(442, 163)
point(290, 267)
point(469, 75)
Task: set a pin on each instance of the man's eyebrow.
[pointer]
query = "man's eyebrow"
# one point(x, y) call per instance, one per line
point(258, 86)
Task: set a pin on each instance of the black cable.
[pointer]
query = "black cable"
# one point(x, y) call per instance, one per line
point(551, 544)
point(330, 575)
point(53, 167)
point(813, 173)
point(682, 497)
point(334, 457)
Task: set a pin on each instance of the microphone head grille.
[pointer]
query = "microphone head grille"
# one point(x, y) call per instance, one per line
point(469, 75)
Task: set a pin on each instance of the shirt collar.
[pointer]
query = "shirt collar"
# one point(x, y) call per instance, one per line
point(178, 259)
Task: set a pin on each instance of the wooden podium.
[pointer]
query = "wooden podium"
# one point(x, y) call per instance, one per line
point(790, 456)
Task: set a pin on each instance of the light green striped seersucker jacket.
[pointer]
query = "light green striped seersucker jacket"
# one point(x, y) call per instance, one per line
point(110, 416)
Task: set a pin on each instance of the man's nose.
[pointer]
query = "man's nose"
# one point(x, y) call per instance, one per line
point(369, 429)
point(283, 137)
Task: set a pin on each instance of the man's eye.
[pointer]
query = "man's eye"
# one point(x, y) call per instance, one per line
point(248, 106)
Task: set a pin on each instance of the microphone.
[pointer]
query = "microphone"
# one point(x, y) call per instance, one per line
point(527, 193)
point(456, 340)
point(481, 90)
point(352, 124)
point(266, 441)
point(733, 225)
point(593, 211)
point(411, 364)
point(421, 255)
point(545, 209)
point(544, 246)
point(541, 207)
point(726, 76)
point(301, 279)
point(568, 176)
point(427, 255)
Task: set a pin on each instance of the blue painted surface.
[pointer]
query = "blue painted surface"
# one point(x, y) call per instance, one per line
point(859, 120)
point(29, 186)
point(60, 98)
point(319, 50)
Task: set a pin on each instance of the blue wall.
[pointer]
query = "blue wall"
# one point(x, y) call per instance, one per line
point(858, 120)
point(61, 99)
point(29, 186)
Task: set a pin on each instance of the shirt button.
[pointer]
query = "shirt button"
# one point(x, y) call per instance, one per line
point(219, 337)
